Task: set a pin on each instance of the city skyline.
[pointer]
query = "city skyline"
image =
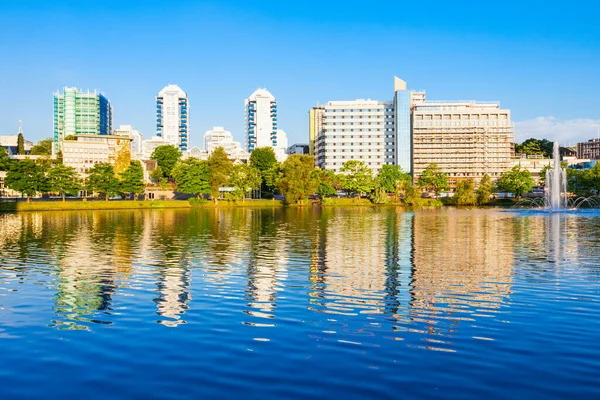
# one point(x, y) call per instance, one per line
point(539, 64)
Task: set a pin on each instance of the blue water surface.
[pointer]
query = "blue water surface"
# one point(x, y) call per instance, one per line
point(300, 303)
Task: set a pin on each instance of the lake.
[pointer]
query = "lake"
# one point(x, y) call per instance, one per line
point(296, 303)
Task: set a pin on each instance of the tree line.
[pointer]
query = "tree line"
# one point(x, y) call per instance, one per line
point(263, 176)
point(31, 177)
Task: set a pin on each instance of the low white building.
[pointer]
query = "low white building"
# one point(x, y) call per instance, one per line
point(85, 151)
point(149, 145)
point(10, 143)
point(137, 138)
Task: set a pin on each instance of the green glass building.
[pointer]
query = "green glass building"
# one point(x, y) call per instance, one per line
point(78, 113)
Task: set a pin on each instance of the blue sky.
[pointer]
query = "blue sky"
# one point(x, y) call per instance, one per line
point(540, 59)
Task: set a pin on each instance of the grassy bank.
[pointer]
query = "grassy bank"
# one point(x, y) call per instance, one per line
point(163, 204)
point(126, 205)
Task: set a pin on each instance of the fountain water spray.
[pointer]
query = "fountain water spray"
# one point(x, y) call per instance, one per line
point(556, 184)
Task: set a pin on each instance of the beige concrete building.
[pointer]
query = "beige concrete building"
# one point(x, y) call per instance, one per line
point(315, 124)
point(85, 151)
point(467, 139)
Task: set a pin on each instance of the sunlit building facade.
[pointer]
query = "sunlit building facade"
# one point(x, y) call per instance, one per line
point(79, 113)
point(172, 116)
point(261, 120)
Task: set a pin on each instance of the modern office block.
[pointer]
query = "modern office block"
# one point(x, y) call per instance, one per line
point(78, 113)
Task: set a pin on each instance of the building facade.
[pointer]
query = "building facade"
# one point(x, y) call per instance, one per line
point(82, 152)
point(589, 150)
point(355, 130)
point(11, 144)
point(219, 137)
point(260, 120)
point(78, 113)
point(467, 139)
point(299, 148)
point(315, 125)
point(136, 137)
point(172, 116)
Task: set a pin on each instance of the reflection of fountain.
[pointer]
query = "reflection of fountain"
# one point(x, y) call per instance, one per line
point(556, 184)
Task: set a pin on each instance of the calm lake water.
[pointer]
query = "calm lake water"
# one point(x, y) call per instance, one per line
point(367, 303)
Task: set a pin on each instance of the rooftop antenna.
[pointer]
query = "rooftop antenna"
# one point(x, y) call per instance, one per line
point(21, 127)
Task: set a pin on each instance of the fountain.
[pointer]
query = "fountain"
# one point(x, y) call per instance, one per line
point(556, 196)
point(556, 184)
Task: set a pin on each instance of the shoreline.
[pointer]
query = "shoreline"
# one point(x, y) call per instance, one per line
point(22, 206)
point(76, 205)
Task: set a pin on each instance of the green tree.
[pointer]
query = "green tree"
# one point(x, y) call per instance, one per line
point(577, 182)
point(358, 178)
point(191, 176)
point(412, 195)
point(464, 194)
point(42, 148)
point(263, 159)
point(433, 179)
point(534, 146)
point(220, 168)
point(244, 179)
point(27, 177)
point(4, 160)
point(393, 179)
point(166, 156)
point(516, 181)
point(20, 144)
point(102, 179)
point(543, 171)
point(329, 182)
point(132, 179)
point(591, 177)
point(297, 180)
point(64, 180)
point(484, 190)
point(380, 195)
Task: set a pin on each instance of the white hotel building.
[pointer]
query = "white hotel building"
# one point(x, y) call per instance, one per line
point(467, 139)
point(355, 130)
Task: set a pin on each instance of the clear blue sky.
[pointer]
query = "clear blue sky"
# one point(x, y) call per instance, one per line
point(539, 58)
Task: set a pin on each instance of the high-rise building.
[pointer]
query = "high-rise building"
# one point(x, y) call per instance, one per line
point(315, 124)
point(467, 139)
point(172, 116)
point(78, 113)
point(261, 120)
point(356, 130)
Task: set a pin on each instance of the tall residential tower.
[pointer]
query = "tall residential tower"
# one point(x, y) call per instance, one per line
point(78, 113)
point(172, 116)
point(261, 120)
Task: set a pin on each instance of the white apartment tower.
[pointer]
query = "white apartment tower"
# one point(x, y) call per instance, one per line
point(172, 116)
point(261, 120)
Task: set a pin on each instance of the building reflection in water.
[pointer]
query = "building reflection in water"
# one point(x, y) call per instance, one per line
point(422, 272)
point(462, 268)
point(267, 263)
